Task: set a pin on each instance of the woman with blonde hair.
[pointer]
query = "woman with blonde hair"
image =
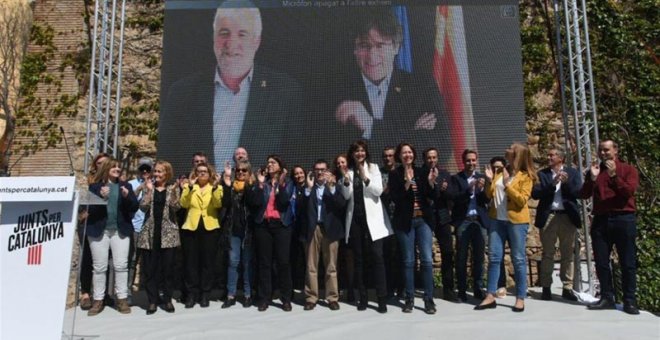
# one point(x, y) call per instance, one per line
point(86, 259)
point(159, 236)
point(200, 233)
point(509, 191)
point(109, 228)
point(236, 219)
point(95, 165)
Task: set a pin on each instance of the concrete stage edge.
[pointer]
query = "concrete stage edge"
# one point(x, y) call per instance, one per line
point(555, 319)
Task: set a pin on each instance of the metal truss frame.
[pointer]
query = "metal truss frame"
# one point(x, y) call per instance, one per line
point(578, 106)
point(103, 110)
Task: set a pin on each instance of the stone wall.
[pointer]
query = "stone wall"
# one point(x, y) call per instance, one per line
point(65, 17)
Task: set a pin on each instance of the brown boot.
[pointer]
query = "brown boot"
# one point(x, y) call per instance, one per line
point(97, 307)
point(85, 302)
point(123, 307)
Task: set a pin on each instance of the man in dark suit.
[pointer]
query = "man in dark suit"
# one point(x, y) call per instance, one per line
point(470, 217)
point(323, 209)
point(557, 216)
point(382, 104)
point(236, 104)
point(442, 227)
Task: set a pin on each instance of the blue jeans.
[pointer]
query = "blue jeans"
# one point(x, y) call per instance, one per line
point(500, 231)
point(421, 234)
point(470, 233)
point(239, 254)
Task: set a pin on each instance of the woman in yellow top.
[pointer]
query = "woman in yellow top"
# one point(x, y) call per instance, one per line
point(509, 213)
point(200, 232)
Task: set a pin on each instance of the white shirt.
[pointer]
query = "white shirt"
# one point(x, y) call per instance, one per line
point(138, 218)
point(228, 117)
point(320, 189)
point(377, 96)
point(557, 202)
point(500, 200)
point(472, 206)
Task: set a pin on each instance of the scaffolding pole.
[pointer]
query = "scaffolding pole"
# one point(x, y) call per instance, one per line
point(579, 108)
point(103, 108)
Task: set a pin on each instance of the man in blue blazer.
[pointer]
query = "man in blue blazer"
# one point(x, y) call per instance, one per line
point(470, 218)
point(323, 227)
point(557, 215)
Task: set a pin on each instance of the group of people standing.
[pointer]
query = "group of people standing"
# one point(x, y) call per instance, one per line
point(256, 218)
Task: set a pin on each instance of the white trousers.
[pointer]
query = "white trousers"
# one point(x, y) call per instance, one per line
point(110, 240)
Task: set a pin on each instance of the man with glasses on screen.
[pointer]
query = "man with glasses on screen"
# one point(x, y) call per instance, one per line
point(383, 104)
point(238, 103)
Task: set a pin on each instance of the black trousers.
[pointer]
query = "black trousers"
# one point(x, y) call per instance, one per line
point(363, 246)
point(273, 240)
point(392, 255)
point(158, 270)
point(298, 261)
point(199, 253)
point(619, 230)
point(446, 242)
point(222, 262)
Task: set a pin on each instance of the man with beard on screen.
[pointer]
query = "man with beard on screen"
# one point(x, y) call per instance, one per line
point(237, 103)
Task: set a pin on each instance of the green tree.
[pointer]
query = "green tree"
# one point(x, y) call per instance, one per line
point(624, 44)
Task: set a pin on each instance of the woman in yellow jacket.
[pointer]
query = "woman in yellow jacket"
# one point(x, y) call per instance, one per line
point(200, 232)
point(509, 213)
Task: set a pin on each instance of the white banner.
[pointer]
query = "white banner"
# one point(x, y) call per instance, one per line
point(36, 239)
point(36, 189)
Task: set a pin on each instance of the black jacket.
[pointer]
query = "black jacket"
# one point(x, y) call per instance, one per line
point(460, 195)
point(404, 199)
point(544, 191)
point(126, 208)
point(186, 120)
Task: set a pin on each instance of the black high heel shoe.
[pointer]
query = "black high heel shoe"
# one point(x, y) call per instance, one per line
point(518, 309)
point(491, 305)
point(151, 309)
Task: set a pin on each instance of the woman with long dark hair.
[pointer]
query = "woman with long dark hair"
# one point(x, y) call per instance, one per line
point(109, 228)
point(346, 263)
point(273, 217)
point(200, 233)
point(159, 236)
point(297, 249)
point(367, 223)
point(509, 214)
point(236, 218)
point(496, 164)
point(412, 189)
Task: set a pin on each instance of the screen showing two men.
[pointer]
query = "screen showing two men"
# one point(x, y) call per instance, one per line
point(304, 79)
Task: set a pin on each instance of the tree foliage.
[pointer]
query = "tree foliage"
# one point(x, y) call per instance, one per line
point(624, 44)
point(626, 73)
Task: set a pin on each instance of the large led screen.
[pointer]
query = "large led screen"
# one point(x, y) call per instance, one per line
point(304, 79)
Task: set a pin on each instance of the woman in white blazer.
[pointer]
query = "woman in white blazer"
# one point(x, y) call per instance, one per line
point(367, 223)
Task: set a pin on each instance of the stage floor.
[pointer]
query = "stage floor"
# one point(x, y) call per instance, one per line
point(540, 320)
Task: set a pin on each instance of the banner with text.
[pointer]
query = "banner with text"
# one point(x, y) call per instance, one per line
point(36, 239)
